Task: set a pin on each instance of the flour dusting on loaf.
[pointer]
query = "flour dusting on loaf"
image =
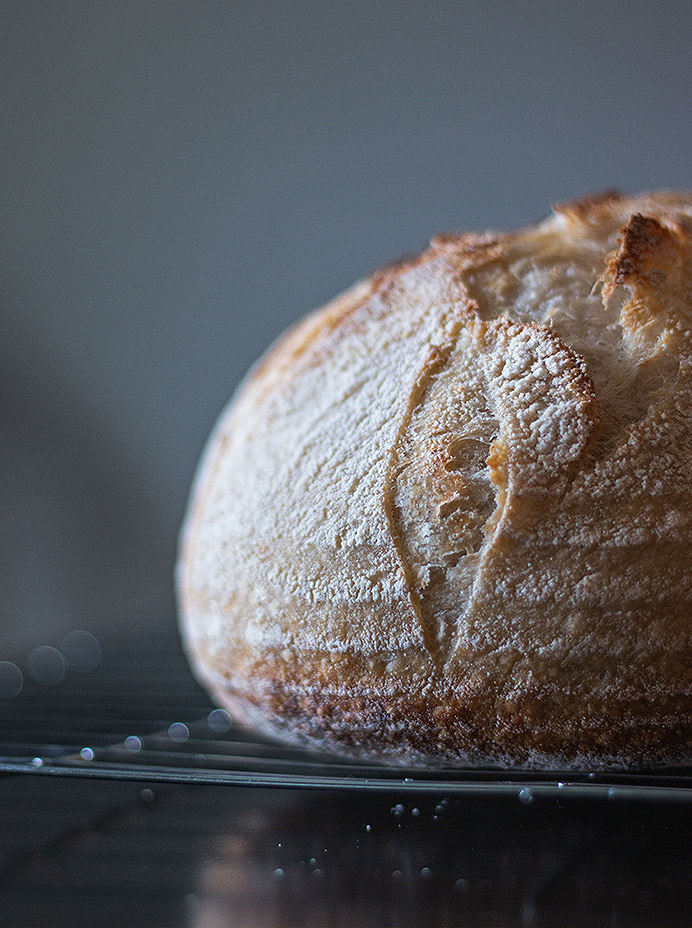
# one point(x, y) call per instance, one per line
point(447, 519)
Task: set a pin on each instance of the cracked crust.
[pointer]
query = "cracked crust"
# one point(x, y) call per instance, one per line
point(447, 519)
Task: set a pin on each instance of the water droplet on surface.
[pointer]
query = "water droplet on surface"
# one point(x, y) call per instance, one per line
point(278, 873)
point(86, 754)
point(415, 812)
point(11, 680)
point(133, 743)
point(46, 665)
point(37, 762)
point(368, 827)
point(147, 795)
point(426, 872)
point(397, 875)
point(81, 651)
point(525, 795)
point(178, 731)
point(219, 720)
point(461, 885)
point(398, 810)
point(560, 784)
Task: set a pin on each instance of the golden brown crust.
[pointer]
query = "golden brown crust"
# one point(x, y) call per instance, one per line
point(591, 206)
point(455, 722)
point(448, 518)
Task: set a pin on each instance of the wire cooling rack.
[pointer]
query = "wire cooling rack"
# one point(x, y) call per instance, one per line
point(138, 714)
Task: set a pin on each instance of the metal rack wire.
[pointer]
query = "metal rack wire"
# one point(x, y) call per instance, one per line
point(140, 715)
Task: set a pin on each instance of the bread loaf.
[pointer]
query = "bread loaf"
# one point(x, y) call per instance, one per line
point(447, 518)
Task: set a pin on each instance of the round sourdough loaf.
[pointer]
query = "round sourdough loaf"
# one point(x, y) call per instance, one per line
point(447, 518)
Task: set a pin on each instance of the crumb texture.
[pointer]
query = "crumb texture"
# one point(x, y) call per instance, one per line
point(447, 518)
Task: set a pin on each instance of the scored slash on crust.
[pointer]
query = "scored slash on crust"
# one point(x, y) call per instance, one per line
point(447, 510)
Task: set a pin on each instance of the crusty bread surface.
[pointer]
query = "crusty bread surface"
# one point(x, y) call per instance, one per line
point(447, 518)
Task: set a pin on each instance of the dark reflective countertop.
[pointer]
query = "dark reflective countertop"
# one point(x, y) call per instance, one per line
point(102, 852)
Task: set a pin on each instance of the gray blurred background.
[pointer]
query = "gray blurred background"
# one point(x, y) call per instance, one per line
point(181, 180)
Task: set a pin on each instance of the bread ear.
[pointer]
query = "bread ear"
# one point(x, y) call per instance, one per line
point(498, 422)
point(547, 411)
